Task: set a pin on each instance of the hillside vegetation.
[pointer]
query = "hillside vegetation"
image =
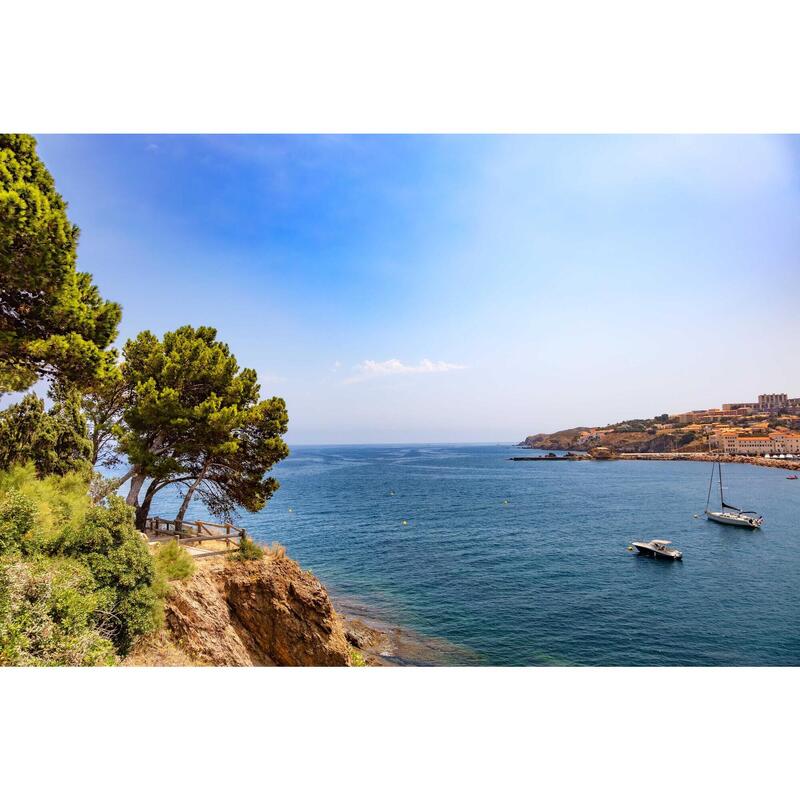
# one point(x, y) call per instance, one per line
point(77, 584)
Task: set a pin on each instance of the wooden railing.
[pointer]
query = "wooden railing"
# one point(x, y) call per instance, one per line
point(192, 532)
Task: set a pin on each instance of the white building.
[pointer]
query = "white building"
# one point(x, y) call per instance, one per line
point(771, 445)
point(786, 443)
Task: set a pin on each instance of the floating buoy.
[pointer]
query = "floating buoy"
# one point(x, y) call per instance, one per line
point(290, 510)
point(697, 516)
point(505, 502)
point(630, 548)
point(405, 522)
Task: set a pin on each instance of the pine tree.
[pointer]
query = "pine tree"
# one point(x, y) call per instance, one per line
point(53, 321)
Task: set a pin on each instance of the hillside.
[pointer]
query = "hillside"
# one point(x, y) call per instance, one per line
point(690, 432)
point(639, 436)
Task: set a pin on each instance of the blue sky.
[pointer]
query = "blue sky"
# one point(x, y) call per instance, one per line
point(456, 288)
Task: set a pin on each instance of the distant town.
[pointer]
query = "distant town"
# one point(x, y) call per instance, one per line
point(767, 427)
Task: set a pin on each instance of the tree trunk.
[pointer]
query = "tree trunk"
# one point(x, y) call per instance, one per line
point(141, 515)
point(143, 510)
point(137, 481)
point(187, 497)
point(95, 449)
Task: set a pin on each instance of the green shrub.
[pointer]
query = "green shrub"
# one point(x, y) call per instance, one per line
point(50, 615)
point(173, 563)
point(248, 551)
point(356, 658)
point(118, 558)
point(97, 566)
point(58, 503)
point(17, 516)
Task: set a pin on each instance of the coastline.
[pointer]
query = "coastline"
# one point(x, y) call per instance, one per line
point(385, 644)
point(756, 461)
point(727, 458)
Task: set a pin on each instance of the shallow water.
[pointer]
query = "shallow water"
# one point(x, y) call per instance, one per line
point(546, 577)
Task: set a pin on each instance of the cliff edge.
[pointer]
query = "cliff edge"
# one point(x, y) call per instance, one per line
point(247, 613)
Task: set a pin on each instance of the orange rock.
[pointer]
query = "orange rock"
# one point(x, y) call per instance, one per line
point(248, 613)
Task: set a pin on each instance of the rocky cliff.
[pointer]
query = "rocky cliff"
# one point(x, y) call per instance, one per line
point(560, 440)
point(578, 440)
point(248, 613)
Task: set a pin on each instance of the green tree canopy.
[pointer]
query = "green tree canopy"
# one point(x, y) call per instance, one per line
point(195, 420)
point(232, 477)
point(55, 441)
point(53, 321)
point(102, 407)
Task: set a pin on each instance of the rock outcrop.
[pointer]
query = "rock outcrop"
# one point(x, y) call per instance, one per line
point(250, 613)
point(560, 440)
point(581, 440)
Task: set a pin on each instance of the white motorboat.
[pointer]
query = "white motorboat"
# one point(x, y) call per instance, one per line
point(657, 548)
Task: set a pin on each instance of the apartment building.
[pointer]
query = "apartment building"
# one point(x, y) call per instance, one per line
point(766, 404)
point(770, 402)
point(739, 408)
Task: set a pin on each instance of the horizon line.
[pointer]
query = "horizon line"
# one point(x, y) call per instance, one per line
point(485, 442)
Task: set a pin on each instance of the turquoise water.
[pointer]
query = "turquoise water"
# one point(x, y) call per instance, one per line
point(546, 577)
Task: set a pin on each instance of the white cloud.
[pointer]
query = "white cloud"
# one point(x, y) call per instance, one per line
point(375, 369)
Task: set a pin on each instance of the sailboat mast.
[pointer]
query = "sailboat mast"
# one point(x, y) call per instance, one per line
point(710, 484)
point(721, 498)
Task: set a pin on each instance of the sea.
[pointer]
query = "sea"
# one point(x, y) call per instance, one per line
point(528, 563)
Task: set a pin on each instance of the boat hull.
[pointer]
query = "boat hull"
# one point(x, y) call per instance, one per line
point(725, 519)
point(669, 555)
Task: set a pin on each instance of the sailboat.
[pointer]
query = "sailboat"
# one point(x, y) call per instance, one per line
point(728, 514)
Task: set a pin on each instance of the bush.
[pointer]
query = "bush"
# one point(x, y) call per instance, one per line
point(248, 551)
point(173, 563)
point(58, 503)
point(50, 535)
point(118, 558)
point(49, 615)
point(17, 515)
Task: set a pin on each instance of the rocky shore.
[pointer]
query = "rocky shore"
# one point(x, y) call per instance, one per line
point(271, 612)
point(606, 454)
point(247, 613)
point(382, 643)
point(757, 461)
